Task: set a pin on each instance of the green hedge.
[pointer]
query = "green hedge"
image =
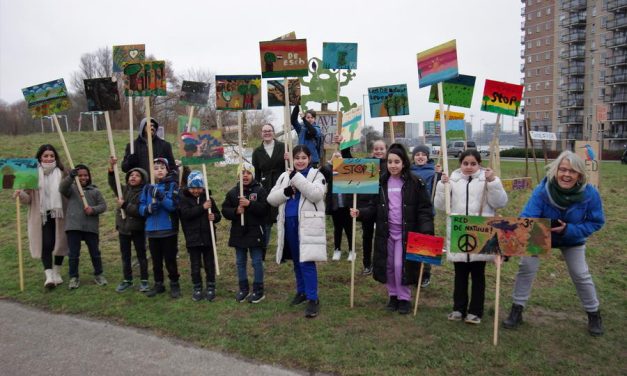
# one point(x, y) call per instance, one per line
point(608, 155)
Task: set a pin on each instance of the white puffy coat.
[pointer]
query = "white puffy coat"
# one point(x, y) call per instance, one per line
point(311, 214)
point(460, 188)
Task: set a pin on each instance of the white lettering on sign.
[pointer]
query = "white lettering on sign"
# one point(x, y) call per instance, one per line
point(544, 136)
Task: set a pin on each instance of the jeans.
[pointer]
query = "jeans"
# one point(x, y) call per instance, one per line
point(200, 257)
point(164, 249)
point(476, 270)
point(138, 238)
point(342, 221)
point(74, 242)
point(305, 272)
point(48, 240)
point(256, 254)
point(575, 258)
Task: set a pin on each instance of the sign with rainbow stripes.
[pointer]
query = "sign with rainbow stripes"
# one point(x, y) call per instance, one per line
point(437, 64)
point(424, 248)
point(501, 97)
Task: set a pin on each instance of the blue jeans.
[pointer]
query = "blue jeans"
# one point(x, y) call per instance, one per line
point(241, 258)
point(74, 239)
point(305, 272)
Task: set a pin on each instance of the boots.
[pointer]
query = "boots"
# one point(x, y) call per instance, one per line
point(258, 294)
point(158, 288)
point(211, 291)
point(243, 292)
point(175, 290)
point(49, 283)
point(595, 326)
point(56, 270)
point(515, 317)
point(197, 293)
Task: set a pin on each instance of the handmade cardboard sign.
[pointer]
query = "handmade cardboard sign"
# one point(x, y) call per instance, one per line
point(102, 94)
point(543, 136)
point(457, 91)
point(507, 236)
point(126, 54)
point(144, 79)
point(201, 147)
point(451, 115)
point(356, 175)
point(47, 98)
point(424, 248)
point(183, 120)
point(339, 55)
point(399, 130)
point(455, 130)
point(19, 173)
point(276, 92)
point(352, 123)
point(589, 152)
point(516, 184)
point(284, 58)
point(501, 97)
point(327, 121)
point(388, 101)
point(194, 93)
point(431, 128)
point(240, 92)
point(437, 64)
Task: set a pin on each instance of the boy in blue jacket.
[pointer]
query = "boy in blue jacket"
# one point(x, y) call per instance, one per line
point(158, 204)
point(309, 133)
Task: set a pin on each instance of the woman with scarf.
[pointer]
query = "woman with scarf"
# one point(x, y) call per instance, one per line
point(576, 211)
point(46, 215)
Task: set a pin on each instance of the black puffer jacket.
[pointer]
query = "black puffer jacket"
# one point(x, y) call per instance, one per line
point(251, 234)
point(194, 219)
point(131, 195)
point(160, 149)
point(417, 217)
point(268, 169)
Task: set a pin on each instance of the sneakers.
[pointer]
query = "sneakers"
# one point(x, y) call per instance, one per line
point(175, 290)
point(426, 281)
point(404, 307)
point(74, 283)
point(337, 255)
point(392, 305)
point(312, 309)
point(351, 256)
point(197, 294)
point(144, 286)
point(515, 317)
point(472, 319)
point(299, 298)
point(124, 285)
point(100, 280)
point(49, 283)
point(211, 293)
point(242, 295)
point(595, 325)
point(158, 288)
point(455, 316)
point(56, 275)
point(367, 271)
point(256, 297)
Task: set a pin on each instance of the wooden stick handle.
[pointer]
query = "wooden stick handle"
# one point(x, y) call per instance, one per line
point(443, 152)
point(116, 172)
point(392, 137)
point(495, 339)
point(20, 262)
point(213, 235)
point(287, 129)
point(241, 159)
point(422, 267)
point(190, 118)
point(148, 128)
point(69, 158)
point(353, 254)
point(130, 125)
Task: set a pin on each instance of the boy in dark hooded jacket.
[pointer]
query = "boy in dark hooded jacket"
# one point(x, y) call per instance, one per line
point(139, 158)
point(131, 227)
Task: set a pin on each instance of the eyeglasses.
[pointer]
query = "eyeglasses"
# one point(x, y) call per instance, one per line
point(565, 170)
point(266, 131)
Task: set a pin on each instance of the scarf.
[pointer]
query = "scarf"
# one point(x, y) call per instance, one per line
point(49, 195)
point(563, 198)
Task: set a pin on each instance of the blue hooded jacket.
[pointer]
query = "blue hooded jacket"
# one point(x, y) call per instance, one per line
point(426, 172)
point(308, 135)
point(582, 218)
point(164, 221)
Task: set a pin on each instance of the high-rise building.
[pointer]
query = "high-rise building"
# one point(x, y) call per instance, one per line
point(575, 69)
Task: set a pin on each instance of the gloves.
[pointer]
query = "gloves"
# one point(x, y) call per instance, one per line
point(288, 191)
point(74, 173)
point(153, 191)
point(152, 208)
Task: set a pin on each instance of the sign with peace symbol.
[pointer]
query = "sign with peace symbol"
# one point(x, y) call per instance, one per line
point(467, 243)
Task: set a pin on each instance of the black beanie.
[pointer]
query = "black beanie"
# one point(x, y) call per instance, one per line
point(422, 149)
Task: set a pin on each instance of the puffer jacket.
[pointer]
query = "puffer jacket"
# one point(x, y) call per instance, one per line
point(311, 216)
point(466, 196)
point(164, 221)
point(582, 218)
point(252, 233)
point(194, 219)
point(131, 195)
point(75, 217)
point(417, 217)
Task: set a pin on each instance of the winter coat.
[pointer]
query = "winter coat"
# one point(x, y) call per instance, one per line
point(252, 233)
point(75, 217)
point(268, 169)
point(31, 198)
point(417, 217)
point(311, 222)
point(427, 173)
point(194, 219)
point(309, 135)
point(164, 221)
point(466, 197)
point(581, 218)
point(160, 149)
point(133, 221)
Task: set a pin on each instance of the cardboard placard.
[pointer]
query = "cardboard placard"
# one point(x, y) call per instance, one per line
point(424, 248)
point(126, 54)
point(543, 136)
point(201, 147)
point(455, 130)
point(589, 152)
point(501, 97)
point(284, 58)
point(457, 91)
point(144, 79)
point(194, 93)
point(19, 173)
point(239, 92)
point(399, 130)
point(47, 98)
point(356, 175)
point(102, 94)
point(431, 128)
point(339, 55)
point(276, 92)
point(352, 124)
point(451, 115)
point(388, 101)
point(437, 64)
point(516, 184)
point(327, 121)
point(183, 120)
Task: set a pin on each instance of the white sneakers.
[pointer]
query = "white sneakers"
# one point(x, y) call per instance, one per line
point(49, 283)
point(351, 256)
point(472, 319)
point(56, 275)
point(337, 255)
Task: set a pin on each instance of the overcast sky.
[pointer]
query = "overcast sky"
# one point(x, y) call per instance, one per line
point(41, 40)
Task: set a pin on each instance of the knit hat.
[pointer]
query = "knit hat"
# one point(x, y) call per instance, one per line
point(163, 161)
point(245, 166)
point(421, 149)
point(195, 180)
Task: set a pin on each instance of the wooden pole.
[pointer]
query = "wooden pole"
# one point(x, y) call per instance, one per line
point(20, 262)
point(190, 109)
point(496, 300)
point(422, 267)
point(443, 152)
point(241, 158)
point(354, 255)
point(69, 158)
point(116, 172)
point(213, 235)
point(525, 127)
point(392, 138)
point(148, 128)
point(338, 129)
point(495, 150)
point(287, 128)
point(130, 124)
point(546, 160)
point(533, 153)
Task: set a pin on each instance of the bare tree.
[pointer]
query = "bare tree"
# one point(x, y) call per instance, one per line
point(92, 65)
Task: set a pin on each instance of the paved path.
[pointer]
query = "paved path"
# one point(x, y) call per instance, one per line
point(34, 342)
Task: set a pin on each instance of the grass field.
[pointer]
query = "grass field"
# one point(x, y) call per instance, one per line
point(364, 340)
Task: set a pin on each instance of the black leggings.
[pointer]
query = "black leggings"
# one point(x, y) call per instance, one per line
point(476, 269)
point(48, 240)
point(139, 239)
point(342, 221)
point(164, 249)
point(366, 237)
